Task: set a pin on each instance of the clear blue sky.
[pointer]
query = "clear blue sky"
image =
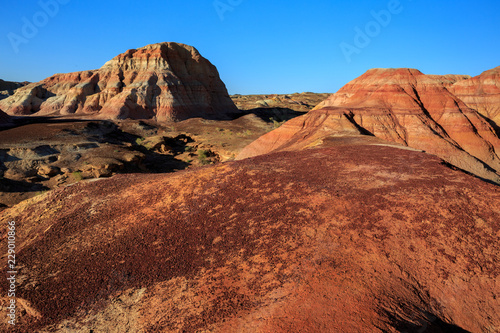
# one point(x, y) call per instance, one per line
point(259, 46)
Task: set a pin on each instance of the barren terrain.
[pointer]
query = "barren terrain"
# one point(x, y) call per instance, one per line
point(357, 238)
point(41, 153)
point(146, 199)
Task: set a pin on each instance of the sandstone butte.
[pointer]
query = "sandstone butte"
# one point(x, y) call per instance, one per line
point(341, 239)
point(482, 93)
point(401, 106)
point(165, 81)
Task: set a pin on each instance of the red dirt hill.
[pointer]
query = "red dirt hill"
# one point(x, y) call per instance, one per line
point(346, 239)
point(402, 106)
point(166, 81)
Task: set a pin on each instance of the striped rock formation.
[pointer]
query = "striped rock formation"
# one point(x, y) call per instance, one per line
point(482, 93)
point(166, 81)
point(402, 106)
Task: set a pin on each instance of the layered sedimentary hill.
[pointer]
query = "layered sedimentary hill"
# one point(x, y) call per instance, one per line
point(402, 106)
point(7, 88)
point(482, 93)
point(166, 81)
point(336, 239)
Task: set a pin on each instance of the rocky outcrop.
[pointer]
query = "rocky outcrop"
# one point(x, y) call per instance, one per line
point(7, 88)
point(166, 81)
point(482, 93)
point(345, 239)
point(402, 106)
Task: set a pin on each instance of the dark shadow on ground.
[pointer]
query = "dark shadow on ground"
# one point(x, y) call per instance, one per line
point(156, 162)
point(12, 186)
point(431, 325)
point(270, 115)
point(18, 121)
point(493, 124)
point(24, 120)
point(451, 166)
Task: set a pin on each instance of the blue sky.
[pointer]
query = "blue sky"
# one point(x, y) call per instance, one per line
point(258, 46)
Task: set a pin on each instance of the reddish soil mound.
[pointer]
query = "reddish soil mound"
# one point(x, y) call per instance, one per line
point(165, 81)
point(402, 106)
point(345, 239)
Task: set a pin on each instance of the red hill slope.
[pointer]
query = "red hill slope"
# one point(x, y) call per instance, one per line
point(166, 81)
point(346, 239)
point(402, 106)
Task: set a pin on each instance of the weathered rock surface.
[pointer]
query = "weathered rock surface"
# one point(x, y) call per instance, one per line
point(166, 81)
point(402, 106)
point(346, 239)
point(482, 93)
point(7, 88)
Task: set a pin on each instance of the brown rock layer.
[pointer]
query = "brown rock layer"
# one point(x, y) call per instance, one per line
point(166, 81)
point(482, 93)
point(324, 240)
point(402, 106)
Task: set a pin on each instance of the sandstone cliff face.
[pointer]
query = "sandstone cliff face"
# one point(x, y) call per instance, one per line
point(482, 93)
point(166, 81)
point(345, 239)
point(402, 106)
